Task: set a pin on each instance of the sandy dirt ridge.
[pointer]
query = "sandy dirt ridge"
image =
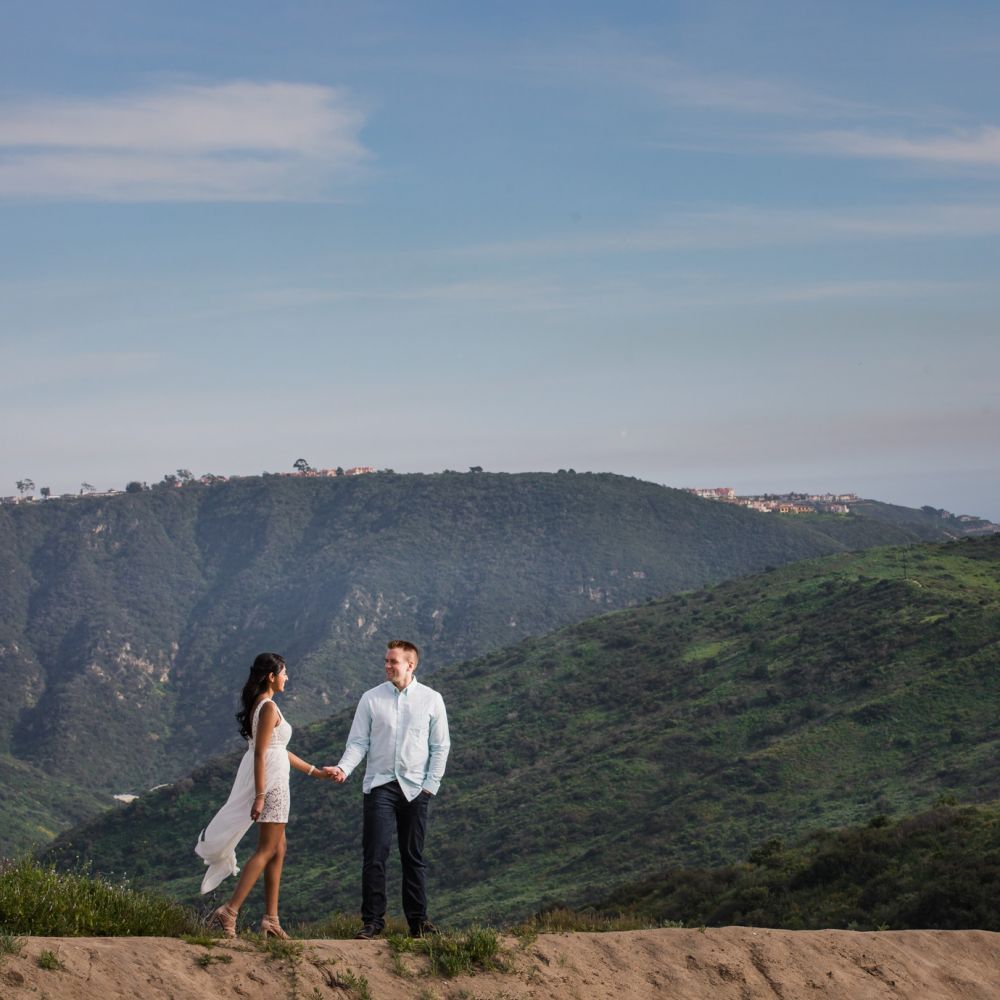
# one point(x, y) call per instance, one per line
point(732, 963)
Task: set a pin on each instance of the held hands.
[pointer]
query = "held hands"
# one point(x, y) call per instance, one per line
point(335, 774)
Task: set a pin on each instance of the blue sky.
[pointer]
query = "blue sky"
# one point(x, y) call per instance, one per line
point(742, 244)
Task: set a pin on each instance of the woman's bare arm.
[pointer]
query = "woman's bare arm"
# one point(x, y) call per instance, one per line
point(266, 722)
point(300, 765)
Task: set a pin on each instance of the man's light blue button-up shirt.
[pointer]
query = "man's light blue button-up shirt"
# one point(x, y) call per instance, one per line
point(405, 735)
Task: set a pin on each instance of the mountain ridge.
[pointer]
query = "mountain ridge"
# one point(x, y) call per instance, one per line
point(143, 609)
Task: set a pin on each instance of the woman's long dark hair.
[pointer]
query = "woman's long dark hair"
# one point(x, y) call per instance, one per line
point(263, 666)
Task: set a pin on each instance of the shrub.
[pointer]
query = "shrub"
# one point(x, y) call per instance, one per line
point(10, 944)
point(40, 901)
point(49, 960)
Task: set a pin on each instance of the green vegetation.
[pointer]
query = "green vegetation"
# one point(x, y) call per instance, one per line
point(355, 985)
point(202, 939)
point(10, 944)
point(37, 900)
point(207, 958)
point(928, 523)
point(136, 616)
point(280, 950)
point(464, 953)
point(343, 927)
point(556, 919)
point(939, 869)
point(35, 804)
point(49, 960)
point(829, 692)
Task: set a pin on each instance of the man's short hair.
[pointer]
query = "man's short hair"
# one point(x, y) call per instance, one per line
point(406, 647)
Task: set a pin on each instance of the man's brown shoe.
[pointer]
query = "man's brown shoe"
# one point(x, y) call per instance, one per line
point(424, 929)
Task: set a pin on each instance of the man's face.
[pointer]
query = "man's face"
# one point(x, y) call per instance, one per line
point(398, 668)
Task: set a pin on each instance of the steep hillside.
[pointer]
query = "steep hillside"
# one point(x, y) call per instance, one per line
point(681, 733)
point(127, 623)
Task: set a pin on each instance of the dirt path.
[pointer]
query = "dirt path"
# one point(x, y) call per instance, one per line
point(732, 963)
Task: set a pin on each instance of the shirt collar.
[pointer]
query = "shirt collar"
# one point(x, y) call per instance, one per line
point(409, 687)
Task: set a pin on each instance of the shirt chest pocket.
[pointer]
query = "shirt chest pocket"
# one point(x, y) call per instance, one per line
point(413, 753)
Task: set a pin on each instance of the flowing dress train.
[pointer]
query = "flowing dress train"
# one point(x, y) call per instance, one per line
point(217, 842)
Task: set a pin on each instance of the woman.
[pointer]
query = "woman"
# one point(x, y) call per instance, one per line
point(259, 795)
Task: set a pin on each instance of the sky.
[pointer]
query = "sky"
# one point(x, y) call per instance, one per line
point(703, 243)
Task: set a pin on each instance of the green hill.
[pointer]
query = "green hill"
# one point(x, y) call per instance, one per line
point(938, 869)
point(681, 733)
point(35, 805)
point(127, 623)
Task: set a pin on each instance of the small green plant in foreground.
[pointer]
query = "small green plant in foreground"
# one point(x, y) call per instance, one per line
point(38, 900)
point(49, 960)
point(207, 958)
point(278, 949)
point(357, 986)
point(205, 940)
point(474, 950)
point(399, 966)
point(10, 944)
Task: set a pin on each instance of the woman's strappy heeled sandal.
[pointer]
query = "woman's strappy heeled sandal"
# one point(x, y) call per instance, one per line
point(270, 927)
point(225, 919)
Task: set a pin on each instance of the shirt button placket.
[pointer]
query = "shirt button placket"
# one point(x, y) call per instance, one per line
point(399, 728)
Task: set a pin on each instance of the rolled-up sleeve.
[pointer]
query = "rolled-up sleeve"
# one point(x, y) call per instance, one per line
point(438, 745)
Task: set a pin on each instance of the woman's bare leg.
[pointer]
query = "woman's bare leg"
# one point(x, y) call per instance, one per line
point(272, 876)
point(270, 839)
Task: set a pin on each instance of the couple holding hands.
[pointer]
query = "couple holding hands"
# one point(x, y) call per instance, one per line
point(401, 726)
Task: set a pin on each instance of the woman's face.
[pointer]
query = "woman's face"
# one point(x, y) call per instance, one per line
point(279, 680)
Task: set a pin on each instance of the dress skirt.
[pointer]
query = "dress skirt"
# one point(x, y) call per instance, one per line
point(217, 842)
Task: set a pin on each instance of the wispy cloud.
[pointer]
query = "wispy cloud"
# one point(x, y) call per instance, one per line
point(968, 148)
point(237, 141)
point(751, 226)
point(680, 86)
point(612, 60)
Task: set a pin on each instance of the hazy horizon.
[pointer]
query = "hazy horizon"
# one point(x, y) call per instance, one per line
point(704, 244)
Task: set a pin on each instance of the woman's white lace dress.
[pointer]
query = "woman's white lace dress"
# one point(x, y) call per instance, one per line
point(217, 842)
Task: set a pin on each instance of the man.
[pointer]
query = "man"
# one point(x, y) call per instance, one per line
point(402, 726)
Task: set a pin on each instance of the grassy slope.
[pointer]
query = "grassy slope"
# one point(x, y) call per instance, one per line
point(683, 732)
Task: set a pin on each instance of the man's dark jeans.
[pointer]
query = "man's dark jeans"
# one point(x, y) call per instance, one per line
point(387, 810)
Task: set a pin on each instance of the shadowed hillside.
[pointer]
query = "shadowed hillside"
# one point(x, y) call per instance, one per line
point(938, 869)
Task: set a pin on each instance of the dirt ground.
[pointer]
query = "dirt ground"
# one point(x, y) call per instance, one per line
point(732, 963)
